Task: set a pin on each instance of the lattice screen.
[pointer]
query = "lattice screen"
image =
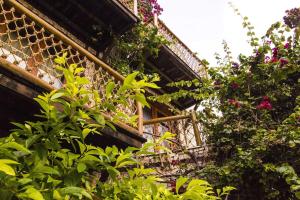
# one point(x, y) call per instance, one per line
point(27, 44)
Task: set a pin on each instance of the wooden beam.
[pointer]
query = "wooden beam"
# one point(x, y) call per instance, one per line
point(140, 118)
point(8, 66)
point(17, 87)
point(196, 129)
point(165, 119)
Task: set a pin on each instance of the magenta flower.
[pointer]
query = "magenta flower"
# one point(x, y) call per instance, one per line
point(265, 104)
point(266, 98)
point(274, 59)
point(283, 62)
point(287, 45)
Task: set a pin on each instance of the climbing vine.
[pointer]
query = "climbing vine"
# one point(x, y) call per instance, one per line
point(250, 112)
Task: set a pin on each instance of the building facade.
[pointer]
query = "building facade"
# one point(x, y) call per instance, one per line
point(34, 32)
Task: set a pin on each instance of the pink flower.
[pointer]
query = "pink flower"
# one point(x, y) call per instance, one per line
point(274, 55)
point(274, 59)
point(266, 98)
point(267, 59)
point(265, 104)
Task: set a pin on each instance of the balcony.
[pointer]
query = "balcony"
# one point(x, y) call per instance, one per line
point(92, 22)
point(28, 46)
point(176, 45)
point(175, 61)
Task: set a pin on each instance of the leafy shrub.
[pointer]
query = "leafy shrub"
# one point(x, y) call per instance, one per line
point(49, 159)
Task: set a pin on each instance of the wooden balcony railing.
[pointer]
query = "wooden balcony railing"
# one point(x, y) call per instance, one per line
point(176, 45)
point(185, 127)
point(31, 44)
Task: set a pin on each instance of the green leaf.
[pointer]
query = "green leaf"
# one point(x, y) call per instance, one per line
point(130, 78)
point(142, 99)
point(100, 119)
point(180, 182)
point(32, 193)
point(109, 88)
point(60, 60)
point(7, 169)
point(56, 195)
point(45, 170)
point(43, 104)
point(16, 146)
point(85, 132)
point(81, 167)
point(57, 95)
point(77, 191)
point(297, 194)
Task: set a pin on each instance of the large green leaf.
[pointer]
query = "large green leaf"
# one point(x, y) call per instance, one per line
point(6, 168)
point(32, 193)
point(180, 182)
point(74, 191)
point(109, 88)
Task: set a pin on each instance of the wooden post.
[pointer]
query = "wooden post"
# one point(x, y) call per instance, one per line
point(156, 20)
point(195, 127)
point(165, 119)
point(135, 7)
point(140, 118)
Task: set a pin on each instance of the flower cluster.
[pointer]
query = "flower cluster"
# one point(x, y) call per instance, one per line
point(292, 19)
point(234, 102)
point(276, 58)
point(235, 65)
point(148, 8)
point(265, 104)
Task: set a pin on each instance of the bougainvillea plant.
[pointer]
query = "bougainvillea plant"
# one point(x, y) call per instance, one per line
point(251, 114)
point(149, 8)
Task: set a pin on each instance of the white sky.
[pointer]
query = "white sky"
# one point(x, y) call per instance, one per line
point(204, 24)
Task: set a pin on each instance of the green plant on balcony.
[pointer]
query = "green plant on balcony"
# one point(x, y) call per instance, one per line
point(129, 52)
point(50, 159)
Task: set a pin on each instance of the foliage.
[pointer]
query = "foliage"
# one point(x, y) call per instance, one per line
point(250, 111)
point(130, 51)
point(50, 159)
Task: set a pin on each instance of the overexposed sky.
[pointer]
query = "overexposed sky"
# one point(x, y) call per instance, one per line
point(204, 24)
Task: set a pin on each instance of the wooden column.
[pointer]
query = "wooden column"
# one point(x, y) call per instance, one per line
point(156, 20)
point(196, 129)
point(135, 7)
point(140, 118)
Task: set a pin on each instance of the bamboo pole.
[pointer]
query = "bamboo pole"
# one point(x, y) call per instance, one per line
point(140, 118)
point(195, 127)
point(165, 119)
